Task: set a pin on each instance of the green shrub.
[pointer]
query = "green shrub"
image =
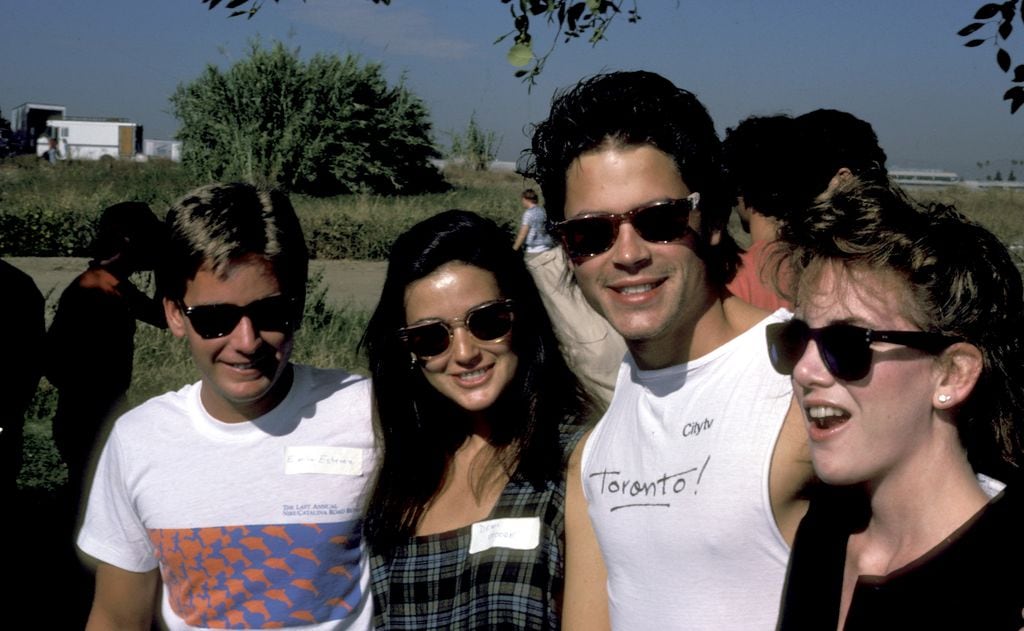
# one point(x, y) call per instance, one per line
point(325, 126)
point(43, 213)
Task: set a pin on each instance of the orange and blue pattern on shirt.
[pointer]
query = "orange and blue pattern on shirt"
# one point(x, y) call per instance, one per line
point(267, 576)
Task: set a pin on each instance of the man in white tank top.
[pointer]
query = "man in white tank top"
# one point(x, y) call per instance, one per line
point(693, 478)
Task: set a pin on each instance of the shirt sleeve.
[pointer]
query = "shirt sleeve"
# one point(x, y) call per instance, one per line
point(112, 531)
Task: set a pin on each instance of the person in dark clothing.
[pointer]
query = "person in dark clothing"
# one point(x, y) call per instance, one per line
point(88, 356)
point(22, 319)
point(90, 344)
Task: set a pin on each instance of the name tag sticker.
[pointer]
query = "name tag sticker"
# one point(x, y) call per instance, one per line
point(516, 533)
point(330, 460)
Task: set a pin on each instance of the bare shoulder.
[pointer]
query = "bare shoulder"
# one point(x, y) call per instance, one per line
point(576, 457)
point(791, 472)
point(741, 315)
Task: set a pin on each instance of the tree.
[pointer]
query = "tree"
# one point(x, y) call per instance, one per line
point(325, 126)
point(1001, 15)
point(574, 18)
point(475, 148)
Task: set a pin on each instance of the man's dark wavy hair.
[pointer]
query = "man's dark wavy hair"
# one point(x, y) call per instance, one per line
point(633, 109)
point(962, 283)
point(419, 428)
point(766, 167)
point(832, 139)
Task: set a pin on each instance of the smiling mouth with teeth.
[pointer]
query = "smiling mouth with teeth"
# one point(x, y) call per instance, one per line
point(473, 374)
point(636, 289)
point(825, 417)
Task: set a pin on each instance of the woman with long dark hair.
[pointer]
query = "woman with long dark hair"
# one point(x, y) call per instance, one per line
point(906, 355)
point(477, 413)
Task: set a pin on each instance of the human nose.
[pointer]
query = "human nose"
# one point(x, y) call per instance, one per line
point(465, 350)
point(810, 369)
point(245, 337)
point(630, 251)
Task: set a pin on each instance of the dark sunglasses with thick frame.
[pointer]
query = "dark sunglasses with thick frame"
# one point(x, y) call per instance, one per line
point(591, 234)
point(274, 313)
point(845, 349)
point(487, 322)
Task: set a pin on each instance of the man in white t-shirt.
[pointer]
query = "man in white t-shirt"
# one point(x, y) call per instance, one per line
point(693, 479)
point(243, 493)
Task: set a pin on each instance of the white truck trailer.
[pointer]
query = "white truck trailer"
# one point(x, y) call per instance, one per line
point(91, 138)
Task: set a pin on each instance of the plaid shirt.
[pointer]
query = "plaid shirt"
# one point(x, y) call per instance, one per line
point(433, 582)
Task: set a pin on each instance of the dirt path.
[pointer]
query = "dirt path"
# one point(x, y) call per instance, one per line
point(355, 283)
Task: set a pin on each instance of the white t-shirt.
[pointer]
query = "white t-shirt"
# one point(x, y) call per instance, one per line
point(676, 480)
point(254, 524)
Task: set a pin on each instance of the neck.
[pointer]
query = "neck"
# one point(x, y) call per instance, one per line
point(715, 324)
point(763, 228)
point(917, 507)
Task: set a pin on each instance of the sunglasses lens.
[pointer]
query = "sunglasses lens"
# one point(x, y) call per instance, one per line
point(427, 340)
point(664, 222)
point(588, 236)
point(491, 322)
point(787, 342)
point(272, 314)
point(212, 321)
point(846, 351)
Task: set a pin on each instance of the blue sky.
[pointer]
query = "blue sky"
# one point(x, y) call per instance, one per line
point(897, 64)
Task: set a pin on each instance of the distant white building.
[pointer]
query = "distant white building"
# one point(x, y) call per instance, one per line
point(169, 149)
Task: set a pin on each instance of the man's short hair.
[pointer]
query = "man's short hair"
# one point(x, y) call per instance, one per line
point(763, 163)
point(633, 109)
point(218, 225)
point(831, 140)
point(530, 195)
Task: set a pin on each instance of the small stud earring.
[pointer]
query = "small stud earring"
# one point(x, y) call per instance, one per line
point(945, 398)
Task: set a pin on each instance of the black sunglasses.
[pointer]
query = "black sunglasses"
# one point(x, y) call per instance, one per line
point(845, 349)
point(589, 235)
point(488, 322)
point(276, 313)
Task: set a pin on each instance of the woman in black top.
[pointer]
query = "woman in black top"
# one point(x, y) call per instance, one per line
point(906, 357)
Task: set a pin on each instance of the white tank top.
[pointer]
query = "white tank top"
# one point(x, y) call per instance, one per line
point(676, 479)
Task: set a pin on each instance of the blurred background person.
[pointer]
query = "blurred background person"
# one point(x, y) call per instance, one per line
point(591, 347)
point(23, 320)
point(91, 342)
point(767, 175)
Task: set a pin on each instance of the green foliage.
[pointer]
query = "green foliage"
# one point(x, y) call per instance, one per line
point(323, 126)
point(474, 148)
point(43, 213)
point(51, 210)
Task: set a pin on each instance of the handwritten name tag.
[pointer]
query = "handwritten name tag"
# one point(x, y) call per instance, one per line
point(516, 533)
point(331, 460)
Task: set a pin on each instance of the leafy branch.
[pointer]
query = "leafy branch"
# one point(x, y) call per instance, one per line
point(1002, 16)
point(575, 19)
